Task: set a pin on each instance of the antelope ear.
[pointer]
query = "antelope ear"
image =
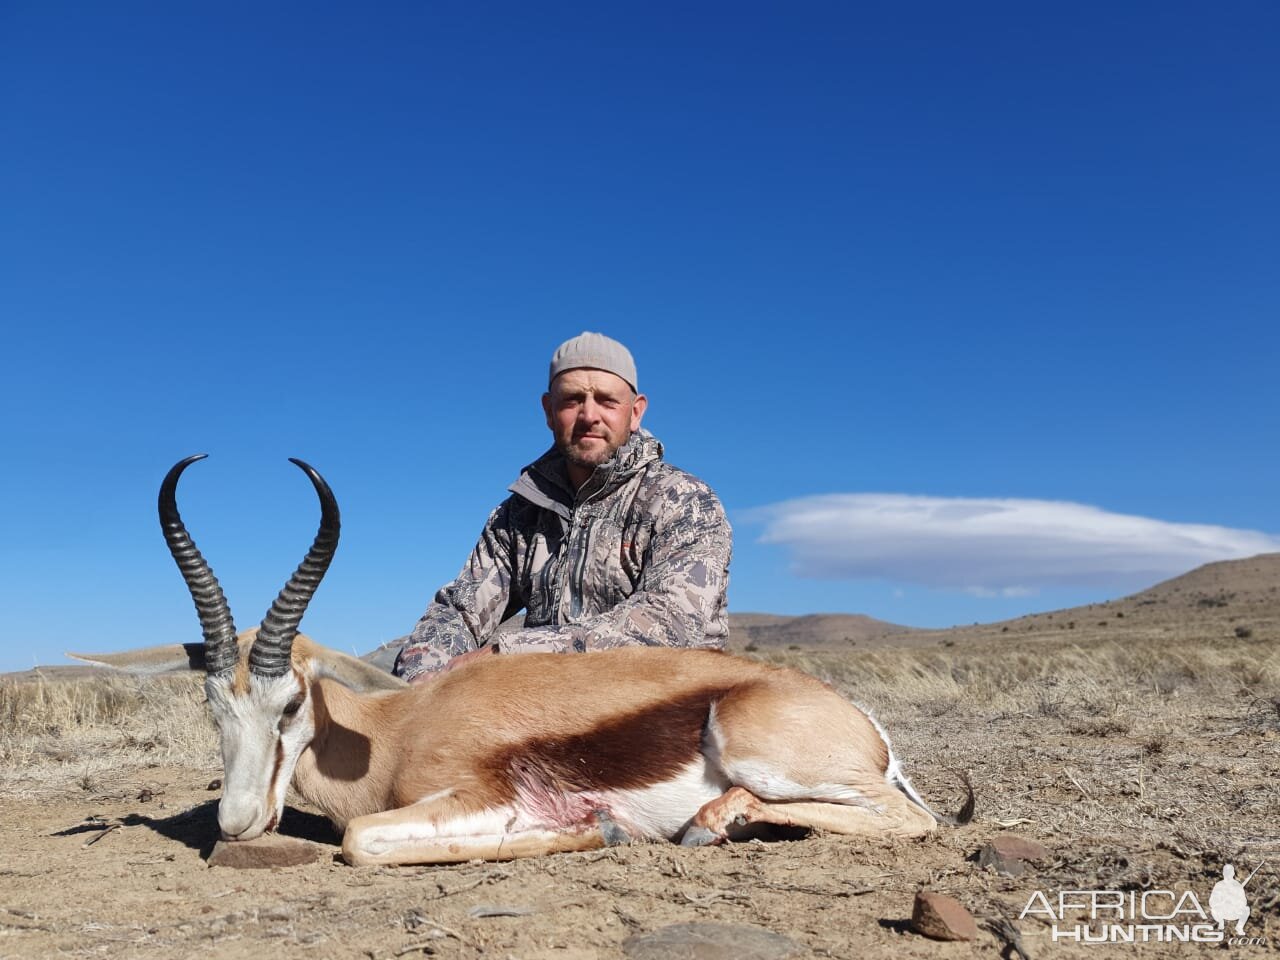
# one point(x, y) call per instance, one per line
point(170, 658)
point(351, 672)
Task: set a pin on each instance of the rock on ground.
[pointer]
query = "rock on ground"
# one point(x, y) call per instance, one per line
point(940, 917)
point(266, 851)
point(1009, 854)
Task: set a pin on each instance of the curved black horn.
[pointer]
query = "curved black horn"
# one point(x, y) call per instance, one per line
point(220, 651)
point(269, 656)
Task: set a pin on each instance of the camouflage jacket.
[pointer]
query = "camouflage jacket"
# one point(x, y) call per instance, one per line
point(639, 555)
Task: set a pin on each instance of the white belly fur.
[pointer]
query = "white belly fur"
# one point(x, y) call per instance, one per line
point(659, 811)
point(663, 810)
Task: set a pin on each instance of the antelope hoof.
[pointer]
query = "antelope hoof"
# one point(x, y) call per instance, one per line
point(697, 836)
point(614, 835)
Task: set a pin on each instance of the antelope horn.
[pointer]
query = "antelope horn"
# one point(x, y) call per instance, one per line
point(220, 650)
point(269, 656)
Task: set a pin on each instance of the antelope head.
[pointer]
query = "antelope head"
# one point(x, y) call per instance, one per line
point(259, 684)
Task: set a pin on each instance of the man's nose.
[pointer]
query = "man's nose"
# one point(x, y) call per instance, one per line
point(589, 411)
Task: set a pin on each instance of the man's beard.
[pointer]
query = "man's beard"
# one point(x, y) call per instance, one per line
point(589, 458)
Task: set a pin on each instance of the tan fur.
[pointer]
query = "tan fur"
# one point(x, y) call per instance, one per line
point(519, 755)
point(772, 721)
point(351, 766)
point(582, 721)
point(240, 679)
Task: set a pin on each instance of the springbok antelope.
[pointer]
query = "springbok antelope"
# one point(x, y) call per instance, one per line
point(519, 755)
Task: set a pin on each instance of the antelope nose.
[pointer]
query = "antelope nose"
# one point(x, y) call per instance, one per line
point(237, 818)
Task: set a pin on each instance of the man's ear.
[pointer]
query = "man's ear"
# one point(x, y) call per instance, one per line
point(638, 407)
point(546, 409)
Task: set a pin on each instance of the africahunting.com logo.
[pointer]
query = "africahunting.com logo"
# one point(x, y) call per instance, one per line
point(1149, 916)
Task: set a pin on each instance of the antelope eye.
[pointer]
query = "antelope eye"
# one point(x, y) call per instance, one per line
point(293, 706)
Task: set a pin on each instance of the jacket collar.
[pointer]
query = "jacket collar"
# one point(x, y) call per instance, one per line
point(545, 482)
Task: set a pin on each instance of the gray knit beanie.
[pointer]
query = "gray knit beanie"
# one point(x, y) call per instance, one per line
point(596, 351)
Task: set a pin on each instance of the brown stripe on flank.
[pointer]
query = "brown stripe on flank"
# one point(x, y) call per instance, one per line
point(635, 750)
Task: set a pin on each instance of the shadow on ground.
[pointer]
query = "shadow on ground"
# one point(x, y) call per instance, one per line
point(197, 827)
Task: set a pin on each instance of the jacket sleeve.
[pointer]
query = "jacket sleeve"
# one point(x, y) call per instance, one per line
point(679, 600)
point(466, 612)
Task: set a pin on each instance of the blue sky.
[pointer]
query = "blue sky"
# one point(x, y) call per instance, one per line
point(886, 272)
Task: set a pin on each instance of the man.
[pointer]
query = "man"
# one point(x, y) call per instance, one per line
point(1227, 901)
point(602, 543)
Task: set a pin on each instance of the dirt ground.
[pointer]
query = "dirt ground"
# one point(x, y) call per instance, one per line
point(1144, 756)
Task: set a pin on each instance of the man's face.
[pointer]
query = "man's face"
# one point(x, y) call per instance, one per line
point(591, 413)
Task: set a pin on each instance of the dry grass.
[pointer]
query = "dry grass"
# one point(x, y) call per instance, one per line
point(1133, 740)
point(1011, 677)
point(1136, 757)
point(55, 729)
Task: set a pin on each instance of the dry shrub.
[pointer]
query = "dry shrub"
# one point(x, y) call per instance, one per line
point(1050, 702)
point(1100, 726)
point(1095, 686)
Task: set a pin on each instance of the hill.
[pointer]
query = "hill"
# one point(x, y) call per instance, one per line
point(756, 631)
point(1224, 600)
point(1230, 599)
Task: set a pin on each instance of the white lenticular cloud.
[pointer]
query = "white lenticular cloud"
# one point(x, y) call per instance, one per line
point(989, 547)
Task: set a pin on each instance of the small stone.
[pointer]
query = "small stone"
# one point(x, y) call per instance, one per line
point(940, 917)
point(1009, 854)
point(214, 785)
point(1005, 866)
point(1012, 845)
point(270, 850)
point(711, 941)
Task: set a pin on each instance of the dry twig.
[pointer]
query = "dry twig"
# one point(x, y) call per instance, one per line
point(422, 945)
point(1078, 785)
point(715, 896)
point(626, 918)
point(491, 876)
point(1008, 935)
point(110, 828)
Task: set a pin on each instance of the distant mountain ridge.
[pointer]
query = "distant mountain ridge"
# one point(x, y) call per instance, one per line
point(1226, 599)
point(1216, 598)
point(762, 630)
